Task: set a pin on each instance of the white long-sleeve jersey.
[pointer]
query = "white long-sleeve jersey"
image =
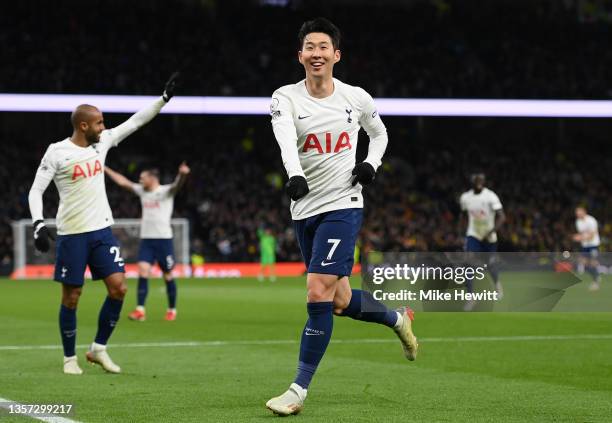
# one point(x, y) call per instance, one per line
point(318, 140)
point(78, 174)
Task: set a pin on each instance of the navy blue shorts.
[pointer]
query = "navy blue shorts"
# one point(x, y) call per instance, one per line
point(327, 240)
point(474, 245)
point(98, 249)
point(590, 252)
point(157, 250)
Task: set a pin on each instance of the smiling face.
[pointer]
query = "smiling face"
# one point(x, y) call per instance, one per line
point(318, 55)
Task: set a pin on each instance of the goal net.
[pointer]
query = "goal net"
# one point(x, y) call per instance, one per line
point(31, 263)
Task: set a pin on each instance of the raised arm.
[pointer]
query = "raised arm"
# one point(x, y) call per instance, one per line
point(119, 179)
point(144, 116)
point(180, 179)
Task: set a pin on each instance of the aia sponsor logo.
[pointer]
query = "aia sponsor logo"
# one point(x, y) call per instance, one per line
point(151, 204)
point(86, 171)
point(329, 145)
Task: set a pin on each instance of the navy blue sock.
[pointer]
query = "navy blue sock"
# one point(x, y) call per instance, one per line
point(494, 271)
point(315, 339)
point(109, 315)
point(171, 291)
point(363, 306)
point(67, 323)
point(469, 285)
point(143, 290)
point(594, 272)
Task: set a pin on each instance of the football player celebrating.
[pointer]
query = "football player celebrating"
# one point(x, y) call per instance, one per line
point(84, 220)
point(316, 123)
point(157, 203)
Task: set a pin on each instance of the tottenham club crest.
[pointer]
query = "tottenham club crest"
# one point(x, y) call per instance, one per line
point(348, 111)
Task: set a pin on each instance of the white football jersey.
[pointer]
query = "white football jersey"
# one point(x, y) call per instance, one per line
point(588, 224)
point(481, 210)
point(157, 206)
point(78, 173)
point(318, 140)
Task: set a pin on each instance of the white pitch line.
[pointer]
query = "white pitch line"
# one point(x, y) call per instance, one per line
point(6, 403)
point(336, 341)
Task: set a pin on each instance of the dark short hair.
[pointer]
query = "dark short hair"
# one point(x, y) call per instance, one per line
point(320, 25)
point(153, 171)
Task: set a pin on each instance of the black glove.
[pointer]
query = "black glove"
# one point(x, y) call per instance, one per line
point(170, 87)
point(42, 236)
point(363, 173)
point(297, 187)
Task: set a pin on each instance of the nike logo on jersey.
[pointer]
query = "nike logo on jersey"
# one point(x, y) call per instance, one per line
point(300, 117)
point(324, 263)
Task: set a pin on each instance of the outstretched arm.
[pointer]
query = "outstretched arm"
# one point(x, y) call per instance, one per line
point(144, 116)
point(119, 179)
point(180, 178)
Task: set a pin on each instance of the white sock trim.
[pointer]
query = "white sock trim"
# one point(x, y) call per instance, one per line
point(400, 320)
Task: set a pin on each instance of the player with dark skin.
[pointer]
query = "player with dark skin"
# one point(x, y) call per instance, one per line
point(478, 184)
point(88, 124)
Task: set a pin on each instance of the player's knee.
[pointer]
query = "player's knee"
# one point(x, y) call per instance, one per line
point(144, 269)
point(319, 291)
point(70, 298)
point(118, 291)
point(168, 276)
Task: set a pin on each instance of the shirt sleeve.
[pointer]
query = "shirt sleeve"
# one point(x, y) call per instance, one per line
point(139, 119)
point(138, 189)
point(167, 190)
point(462, 202)
point(495, 203)
point(44, 176)
point(281, 111)
point(372, 123)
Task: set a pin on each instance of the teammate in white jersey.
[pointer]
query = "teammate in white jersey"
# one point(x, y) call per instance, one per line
point(84, 219)
point(157, 203)
point(315, 123)
point(588, 237)
point(485, 217)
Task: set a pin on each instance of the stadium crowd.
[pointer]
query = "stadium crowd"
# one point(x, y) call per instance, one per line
point(442, 48)
point(418, 48)
point(237, 179)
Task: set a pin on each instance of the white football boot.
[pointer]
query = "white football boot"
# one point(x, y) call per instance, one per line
point(71, 366)
point(291, 402)
point(404, 332)
point(97, 355)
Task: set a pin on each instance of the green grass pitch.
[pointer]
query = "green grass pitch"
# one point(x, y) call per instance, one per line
point(472, 367)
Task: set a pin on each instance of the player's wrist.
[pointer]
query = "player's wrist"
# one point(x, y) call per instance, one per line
point(38, 224)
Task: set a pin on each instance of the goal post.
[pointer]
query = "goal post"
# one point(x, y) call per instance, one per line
point(31, 263)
